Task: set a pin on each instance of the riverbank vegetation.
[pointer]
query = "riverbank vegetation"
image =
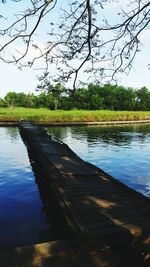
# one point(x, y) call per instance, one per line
point(59, 116)
point(92, 97)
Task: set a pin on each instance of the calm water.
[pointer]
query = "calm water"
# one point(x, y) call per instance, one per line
point(122, 151)
point(22, 220)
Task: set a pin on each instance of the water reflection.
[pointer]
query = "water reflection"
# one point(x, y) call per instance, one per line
point(12, 133)
point(122, 151)
point(22, 220)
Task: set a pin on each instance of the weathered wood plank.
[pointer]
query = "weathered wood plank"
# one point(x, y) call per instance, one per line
point(85, 189)
point(54, 253)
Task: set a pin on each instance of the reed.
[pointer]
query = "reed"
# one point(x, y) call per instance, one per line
point(45, 115)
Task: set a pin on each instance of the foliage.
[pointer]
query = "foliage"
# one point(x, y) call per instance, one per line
point(93, 97)
point(143, 99)
point(53, 91)
point(13, 99)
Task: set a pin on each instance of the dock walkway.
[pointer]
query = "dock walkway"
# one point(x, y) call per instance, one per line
point(98, 209)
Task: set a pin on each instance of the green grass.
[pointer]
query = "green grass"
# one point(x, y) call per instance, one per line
point(45, 115)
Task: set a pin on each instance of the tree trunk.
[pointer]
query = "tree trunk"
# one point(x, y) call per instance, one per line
point(55, 104)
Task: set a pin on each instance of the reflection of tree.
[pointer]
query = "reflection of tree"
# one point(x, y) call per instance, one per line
point(12, 132)
point(113, 135)
point(57, 230)
point(58, 132)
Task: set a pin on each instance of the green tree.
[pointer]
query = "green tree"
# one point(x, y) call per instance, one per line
point(67, 103)
point(55, 91)
point(2, 103)
point(10, 99)
point(13, 99)
point(30, 100)
point(143, 99)
point(20, 100)
point(43, 100)
point(108, 94)
point(80, 99)
point(125, 98)
point(94, 97)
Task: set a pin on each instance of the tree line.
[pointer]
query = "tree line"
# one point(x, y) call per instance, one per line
point(92, 97)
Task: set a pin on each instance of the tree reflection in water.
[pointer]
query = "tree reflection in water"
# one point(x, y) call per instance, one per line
point(122, 151)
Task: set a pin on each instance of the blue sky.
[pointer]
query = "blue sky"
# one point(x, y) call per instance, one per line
point(12, 79)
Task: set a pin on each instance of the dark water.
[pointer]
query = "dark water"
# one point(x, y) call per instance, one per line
point(122, 151)
point(22, 219)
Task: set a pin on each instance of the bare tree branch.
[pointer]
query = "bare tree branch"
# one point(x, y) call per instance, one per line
point(80, 39)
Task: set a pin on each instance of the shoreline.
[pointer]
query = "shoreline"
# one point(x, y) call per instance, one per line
point(75, 123)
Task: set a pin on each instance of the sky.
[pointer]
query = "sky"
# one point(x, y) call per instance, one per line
point(12, 79)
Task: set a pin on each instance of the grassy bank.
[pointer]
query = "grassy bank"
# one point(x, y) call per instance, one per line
point(45, 115)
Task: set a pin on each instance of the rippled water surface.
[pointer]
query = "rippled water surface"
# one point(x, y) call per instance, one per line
point(22, 220)
point(122, 151)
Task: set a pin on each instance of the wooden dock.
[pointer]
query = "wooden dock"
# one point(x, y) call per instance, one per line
point(105, 217)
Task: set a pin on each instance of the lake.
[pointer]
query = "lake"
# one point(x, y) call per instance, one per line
point(23, 218)
point(122, 151)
